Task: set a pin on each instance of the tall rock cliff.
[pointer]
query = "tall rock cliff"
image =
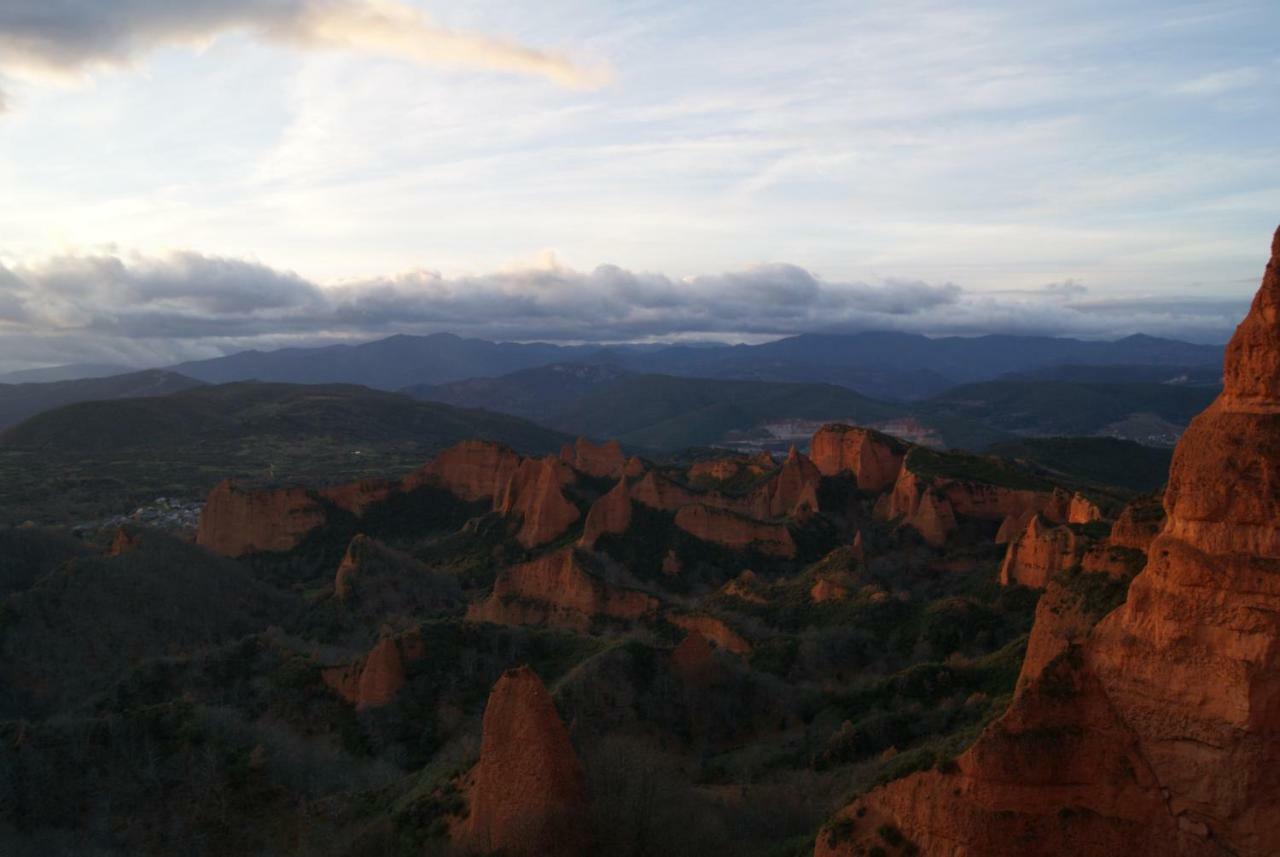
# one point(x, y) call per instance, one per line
point(527, 794)
point(873, 458)
point(1159, 734)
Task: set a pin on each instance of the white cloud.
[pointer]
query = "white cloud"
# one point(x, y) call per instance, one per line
point(73, 38)
point(138, 309)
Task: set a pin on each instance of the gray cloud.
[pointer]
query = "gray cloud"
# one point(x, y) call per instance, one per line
point(154, 310)
point(77, 37)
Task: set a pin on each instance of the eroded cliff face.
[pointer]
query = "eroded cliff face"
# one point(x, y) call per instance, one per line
point(716, 470)
point(556, 589)
point(527, 794)
point(915, 503)
point(873, 458)
point(1040, 552)
point(735, 531)
point(610, 514)
point(713, 629)
point(473, 470)
point(376, 679)
point(236, 522)
point(605, 460)
point(535, 492)
point(1159, 734)
point(793, 491)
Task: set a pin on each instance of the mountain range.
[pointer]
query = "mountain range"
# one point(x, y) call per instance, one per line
point(882, 365)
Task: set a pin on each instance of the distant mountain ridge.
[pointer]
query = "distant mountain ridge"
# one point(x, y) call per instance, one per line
point(20, 401)
point(883, 365)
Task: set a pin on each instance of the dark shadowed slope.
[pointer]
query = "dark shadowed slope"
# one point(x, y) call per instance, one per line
point(19, 401)
point(656, 411)
point(1154, 413)
point(237, 412)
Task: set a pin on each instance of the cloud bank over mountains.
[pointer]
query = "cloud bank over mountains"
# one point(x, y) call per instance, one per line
point(153, 310)
point(74, 38)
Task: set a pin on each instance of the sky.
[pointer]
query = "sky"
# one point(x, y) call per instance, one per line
point(186, 178)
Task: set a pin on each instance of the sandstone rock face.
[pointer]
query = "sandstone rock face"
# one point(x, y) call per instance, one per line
point(372, 681)
point(124, 541)
point(793, 490)
point(1082, 510)
point(527, 794)
point(873, 458)
point(473, 470)
point(1160, 734)
point(557, 590)
point(916, 503)
point(825, 589)
point(1039, 553)
point(236, 522)
point(610, 514)
point(714, 630)
point(734, 531)
point(1138, 525)
point(659, 492)
point(716, 470)
point(356, 497)
point(997, 502)
point(1012, 527)
point(535, 492)
point(602, 460)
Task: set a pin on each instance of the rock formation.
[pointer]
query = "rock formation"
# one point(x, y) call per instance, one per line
point(610, 514)
point(714, 630)
point(793, 490)
point(1159, 734)
point(605, 460)
point(716, 470)
point(915, 503)
point(1138, 524)
point(473, 470)
point(693, 660)
point(375, 679)
point(527, 794)
point(659, 492)
point(556, 589)
point(535, 492)
point(1040, 552)
point(873, 458)
point(734, 531)
point(236, 522)
point(126, 540)
point(1082, 510)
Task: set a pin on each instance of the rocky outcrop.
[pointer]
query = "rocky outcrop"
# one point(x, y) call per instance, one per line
point(873, 458)
point(828, 589)
point(236, 521)
point(472, 470)
point(714, 630)
point(374, 680)
point(610, 514)
point(378, 582)
point(126, 540)
point(734, 531)
point(694, 661)
point(535, 493)
point(1082, 510)
point(792, 491)
point(659, 492)
point(557, 590)
point(915, 503)
point(713, 471)
point(1160, 733)
point(1138, 524)
point(527, 794)
point(605, 460)
point(356, 497)
point(1040, 552)
point(745, 587)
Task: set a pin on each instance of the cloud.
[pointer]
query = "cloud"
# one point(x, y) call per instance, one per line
point(1219, 82)
point(147, 310)
point(72, 38)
